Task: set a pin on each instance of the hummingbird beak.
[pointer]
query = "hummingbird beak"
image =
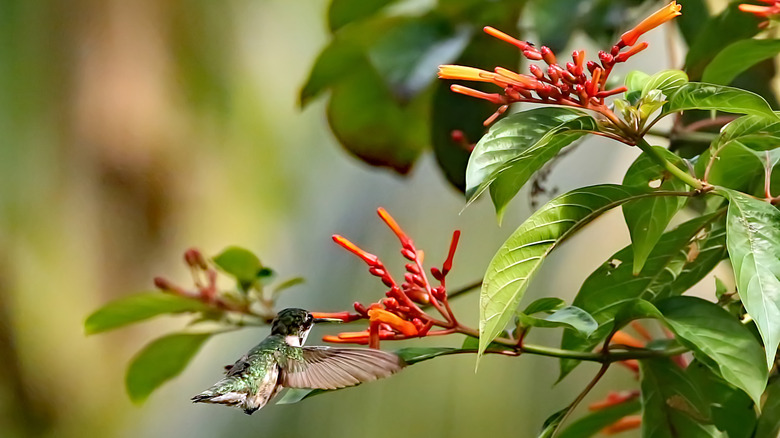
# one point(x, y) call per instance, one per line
point(329, 317)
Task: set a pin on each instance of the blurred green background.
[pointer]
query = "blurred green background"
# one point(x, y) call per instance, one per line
point(133, 130)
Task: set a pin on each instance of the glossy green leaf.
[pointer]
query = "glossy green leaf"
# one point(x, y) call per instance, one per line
point(697, 95)
point(648, 218)
point(544, 304)
point(719, 340)
point(139, 307)
point(681, 258)
point(668, 81)
point(568, 317)
point(343, 12)
point(520, 257)
point(672, 405)
point(735, 166)
point(768, 425)
point(635, 81)
point(331, 66)
point(753, 233)
point(633, 310)
point(728, 26)
point(239, 263)
point(738, 57)
point(519, 145)
point(592, 423)
point(161, 360)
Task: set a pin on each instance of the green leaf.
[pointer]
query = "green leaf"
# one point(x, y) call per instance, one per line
point(769, 423)
point(343, 12)
point(295, 395)
point(568, 317)
point(732, 410)
point(544, 304)
point(595, 421)
point(672, 405)
point(520, 257)
point(738, 57)
point(519, 145)
point(331, 66)
point(413, 355)
point(371, 124)
point(633, 310)
point(292, 282)
point(552, 423)
point(728, 26)
point(735, 166)
point(161, 360)
point(719, 340)
point(455, 112)
point(668, 81)
point(752, 236)
point(240, 263)
point(681, 258)
point(139, 307)
point(635, 81)
point(648, 218)
point(697, 95)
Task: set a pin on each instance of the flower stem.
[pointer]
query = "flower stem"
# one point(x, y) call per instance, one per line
point(671, 168)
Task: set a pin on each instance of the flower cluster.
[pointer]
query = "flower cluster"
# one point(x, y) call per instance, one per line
point(401, 314)
point(578, 83)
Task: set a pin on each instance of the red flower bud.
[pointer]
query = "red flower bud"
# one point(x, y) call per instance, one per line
point(548, 55)
point(532, 54)
point(536, 71)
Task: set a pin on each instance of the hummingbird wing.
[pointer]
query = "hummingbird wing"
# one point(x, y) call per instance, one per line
point(333, 368)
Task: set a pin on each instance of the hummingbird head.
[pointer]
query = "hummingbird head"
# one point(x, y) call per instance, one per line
point(295, 324)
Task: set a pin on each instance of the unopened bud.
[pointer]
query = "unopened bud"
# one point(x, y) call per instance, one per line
point(360, 309)
point(379, 272)
point(591, 66)
point(457, 136)
point(163, 284)
point(532, 54)
point(409, 254)
point(439, 293)
point(548, 55)
point(436, 273)
point(418, 296)
point(412, 267)
point(536, 71)
point(390, 303)
point(194, 258)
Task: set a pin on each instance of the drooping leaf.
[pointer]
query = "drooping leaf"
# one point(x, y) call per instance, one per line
point(672, 405)
point(552, 423)
point(139, 307)
point(668, 81)
point(568, 317)
point(738, 57)
point(592, 423)
point(367, 120)
point(455, 113)
point(519, 145)
point(161, 360)
point(769, 423)
point(648, 218)
point(753, 233)
point(239, 263)
point(698, 95)
point(520, 257)
point(681, 258)
point(718, 340)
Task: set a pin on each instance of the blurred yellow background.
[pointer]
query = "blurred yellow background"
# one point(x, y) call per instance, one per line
point(133, 130)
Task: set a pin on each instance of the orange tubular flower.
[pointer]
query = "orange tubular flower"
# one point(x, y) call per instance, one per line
point(393, 320)
point(658, 18)
point(625, 423)
point(762, 11)
point(623, 338)
point(460, 72)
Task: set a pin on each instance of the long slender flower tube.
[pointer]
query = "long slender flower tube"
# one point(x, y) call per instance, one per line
point(400, 314)
point(579, 83)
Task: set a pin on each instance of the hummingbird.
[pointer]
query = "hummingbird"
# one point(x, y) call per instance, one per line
point(281, 360)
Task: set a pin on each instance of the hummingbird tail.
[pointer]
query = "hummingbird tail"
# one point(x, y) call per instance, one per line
point(228, 398)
